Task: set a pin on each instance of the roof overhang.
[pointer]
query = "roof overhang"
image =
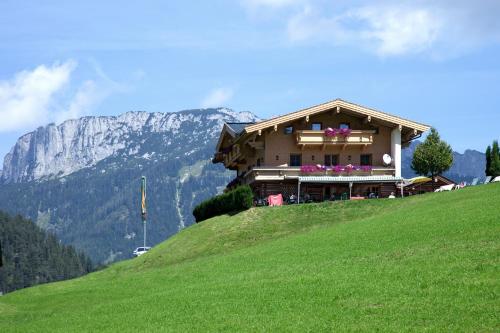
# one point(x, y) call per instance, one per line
point(226, 130)
point(339, 105)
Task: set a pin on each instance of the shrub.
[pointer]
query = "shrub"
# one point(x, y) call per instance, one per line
point(239, 199)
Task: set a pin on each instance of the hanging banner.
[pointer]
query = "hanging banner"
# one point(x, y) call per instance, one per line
point(143, 198)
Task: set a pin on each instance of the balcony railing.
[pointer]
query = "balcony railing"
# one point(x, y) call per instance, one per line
point(357, 137)
point(281, 173)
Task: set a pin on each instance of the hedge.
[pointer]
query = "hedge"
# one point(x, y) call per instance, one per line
point(239, 199)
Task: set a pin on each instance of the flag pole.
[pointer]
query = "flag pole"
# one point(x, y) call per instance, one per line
point(143, 205)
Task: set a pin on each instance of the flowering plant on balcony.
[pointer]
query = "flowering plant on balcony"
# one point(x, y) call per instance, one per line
point(345, 132)
point(336, 168)
point(366, 168)
point(312, 168)
point(349, 168)
point(331, 132)
point(308, 168)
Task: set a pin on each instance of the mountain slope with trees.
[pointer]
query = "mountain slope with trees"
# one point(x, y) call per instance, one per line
point(31, 256)
point(96, 206)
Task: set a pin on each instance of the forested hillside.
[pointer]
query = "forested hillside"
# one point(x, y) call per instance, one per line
point(80, 180)
point(31, 256)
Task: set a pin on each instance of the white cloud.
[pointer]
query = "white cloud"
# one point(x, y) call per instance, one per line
point(46, 94)
point(399, 31)
point(86, 97)
point(439, 29)
point(217, 97)
point(26, 99)
point(385, 30)
point(90, 93)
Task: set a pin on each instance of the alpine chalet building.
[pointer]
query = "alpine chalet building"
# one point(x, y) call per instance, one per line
point(335, 150)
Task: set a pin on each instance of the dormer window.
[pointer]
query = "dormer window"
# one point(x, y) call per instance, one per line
point(316, 126)
point(288, 130)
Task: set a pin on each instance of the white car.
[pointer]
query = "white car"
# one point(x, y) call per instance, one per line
point(140, 250)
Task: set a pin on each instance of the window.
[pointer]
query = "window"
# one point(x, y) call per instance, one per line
point(344, 125)
point(288, 130)
point(316, 126)
point(295, 159)
point(365, 159)
point(312, 157)
point(277, 157)
point(258, 162)
point(331, 160)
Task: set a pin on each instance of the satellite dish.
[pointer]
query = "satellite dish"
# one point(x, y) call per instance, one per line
point(387, 159)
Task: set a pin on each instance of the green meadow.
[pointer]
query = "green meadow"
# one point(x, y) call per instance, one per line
point(423, 263)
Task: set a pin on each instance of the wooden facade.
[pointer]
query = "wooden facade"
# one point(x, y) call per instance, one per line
point(270, 155)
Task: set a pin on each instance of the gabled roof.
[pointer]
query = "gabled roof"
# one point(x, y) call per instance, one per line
point(232, 129)
point(238, 128)
point(341, 104)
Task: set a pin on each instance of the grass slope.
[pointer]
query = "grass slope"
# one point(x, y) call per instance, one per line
point(428, 262)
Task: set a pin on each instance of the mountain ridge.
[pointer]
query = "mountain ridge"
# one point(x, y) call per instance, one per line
point(59, 150)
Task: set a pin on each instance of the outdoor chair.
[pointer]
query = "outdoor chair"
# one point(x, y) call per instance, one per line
point(487, 180)
point(260, 202)
point(474, 181)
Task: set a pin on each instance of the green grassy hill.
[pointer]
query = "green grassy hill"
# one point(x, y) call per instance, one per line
point(429, 262)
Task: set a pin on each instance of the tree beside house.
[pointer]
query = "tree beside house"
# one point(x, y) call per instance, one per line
point(432, 157)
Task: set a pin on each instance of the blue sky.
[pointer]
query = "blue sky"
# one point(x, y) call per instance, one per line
point(436, 62)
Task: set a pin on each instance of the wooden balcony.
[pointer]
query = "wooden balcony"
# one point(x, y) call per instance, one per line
point(281, 173)
point(357, 137)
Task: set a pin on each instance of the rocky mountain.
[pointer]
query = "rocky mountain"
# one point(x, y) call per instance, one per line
point(55, 151)
point(81, 179)
point(467, 166)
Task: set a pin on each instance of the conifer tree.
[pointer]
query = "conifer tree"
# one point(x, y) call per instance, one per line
point(31, 256)
point(495, 160)
point(488, 161)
